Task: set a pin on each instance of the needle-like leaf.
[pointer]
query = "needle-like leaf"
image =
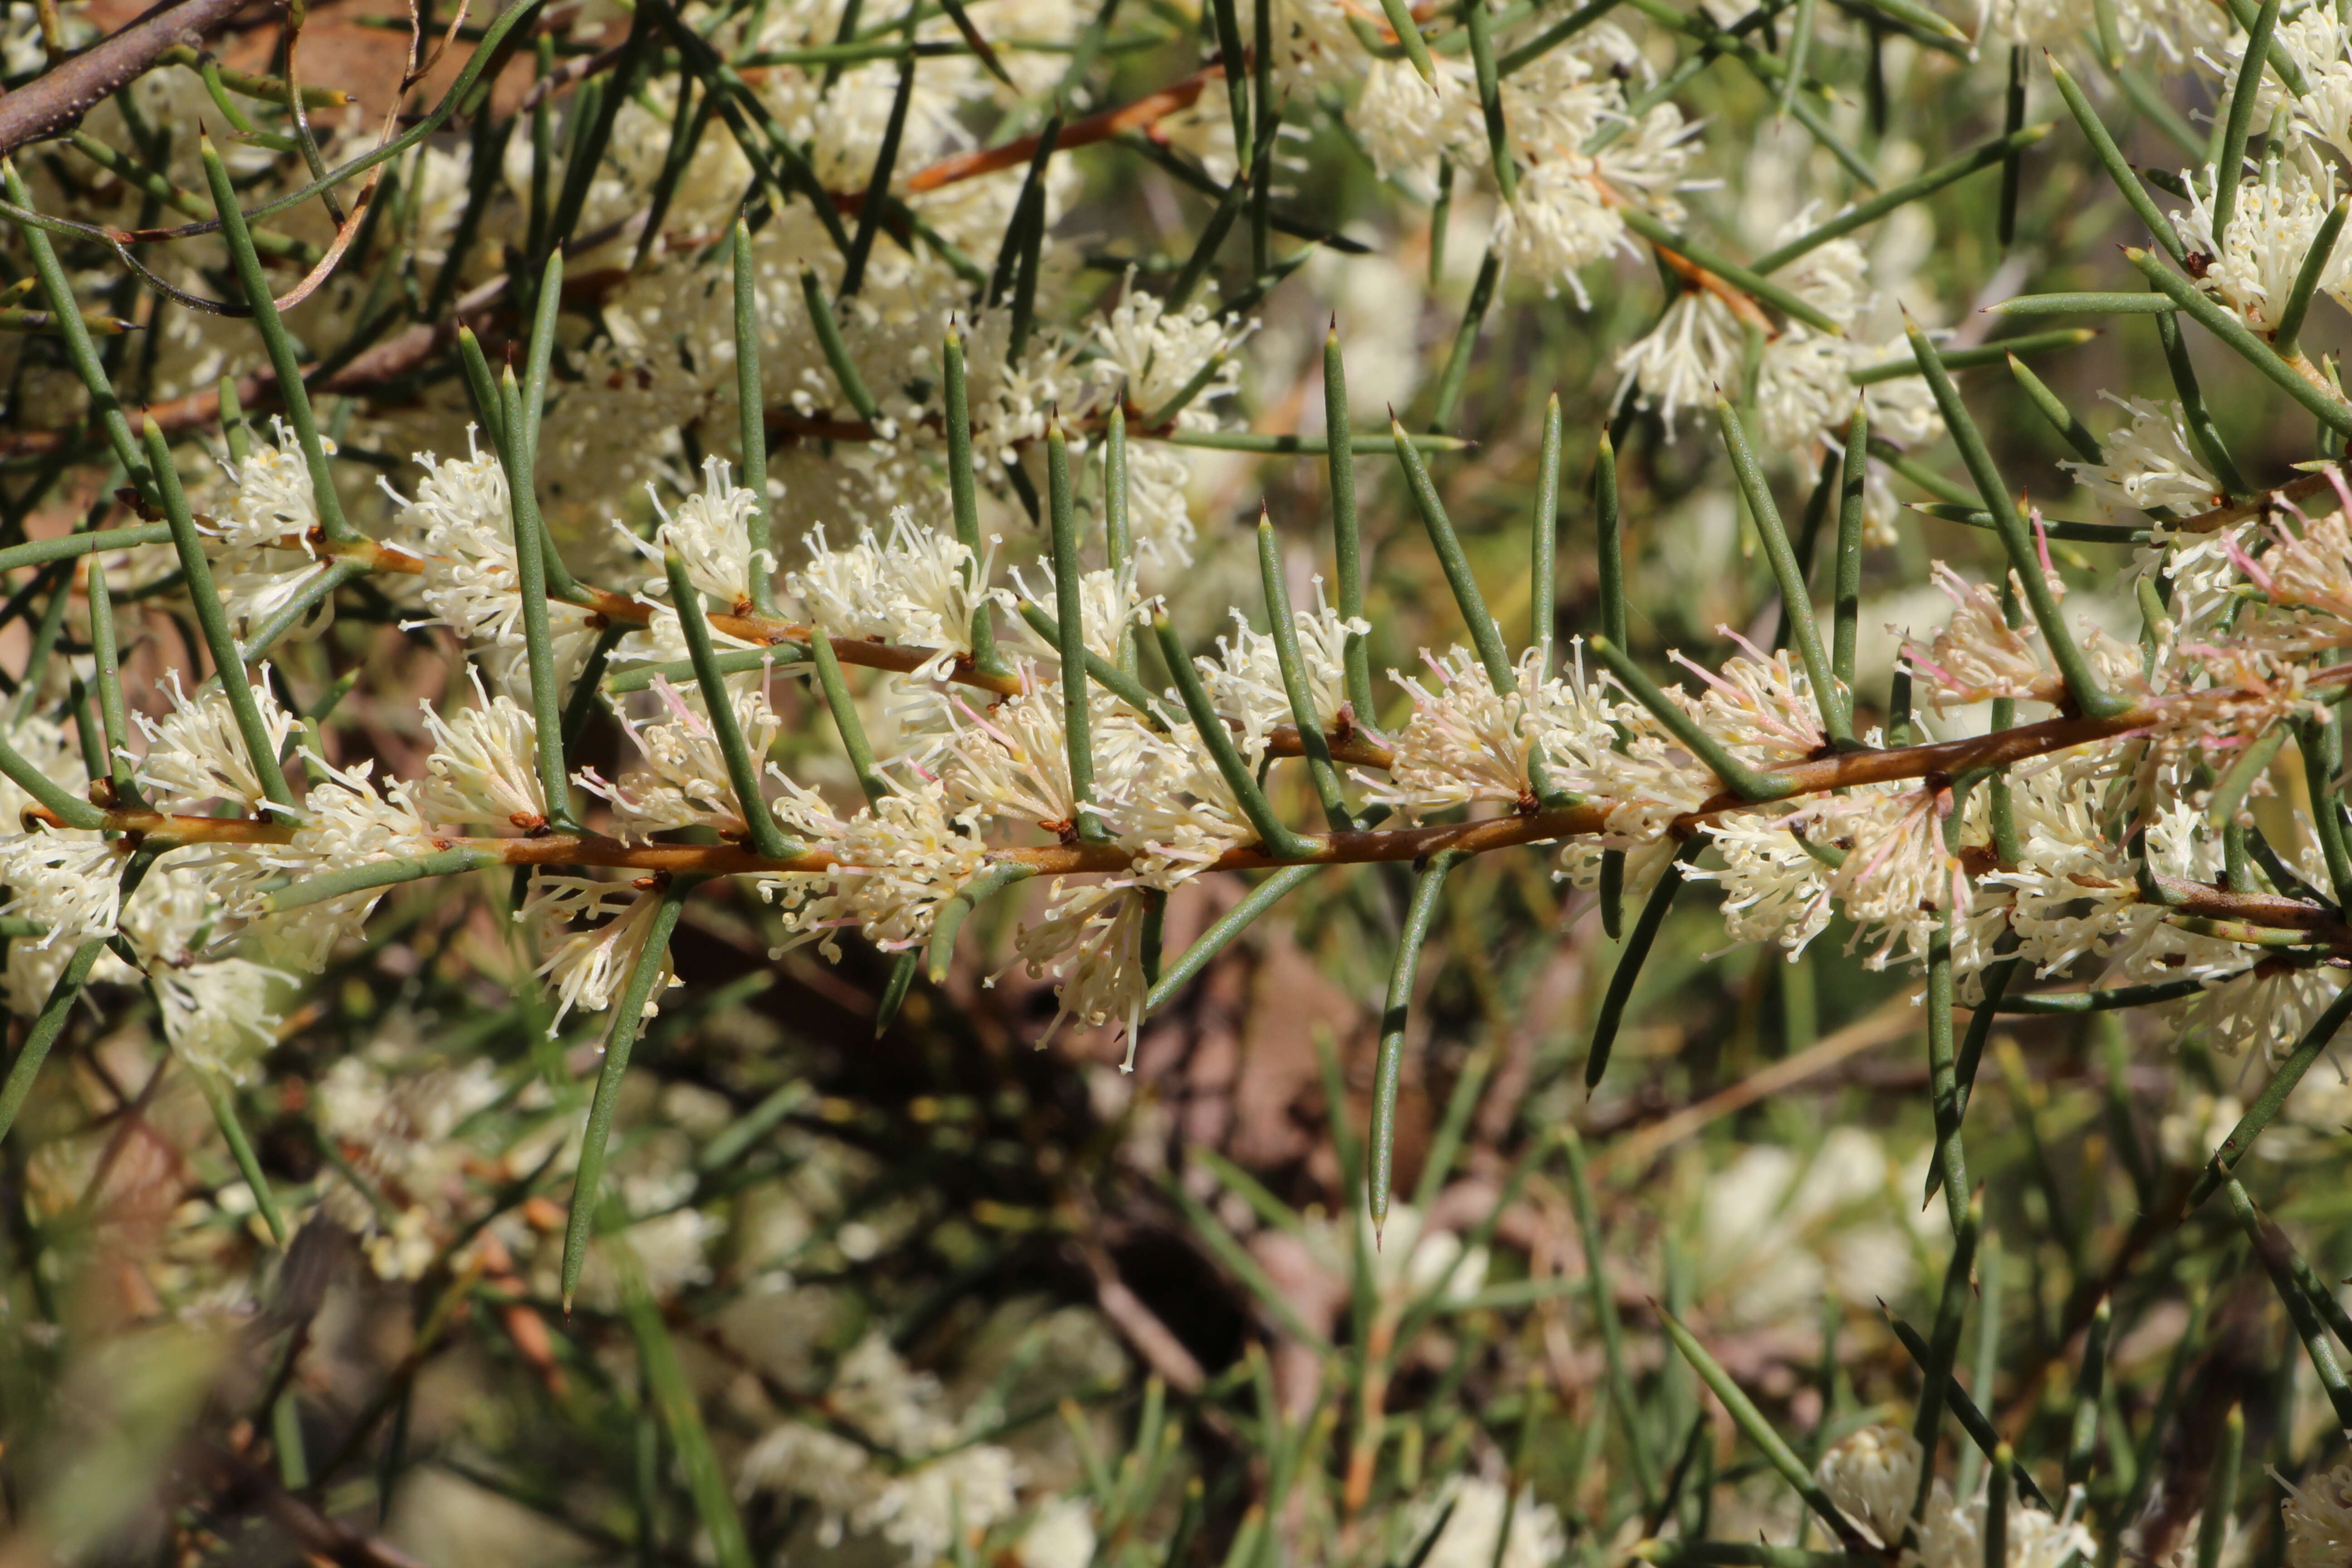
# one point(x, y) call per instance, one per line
point(2230, 165)
point(1387, 1068)
point(2089, 698)
point(649, 965)
point(751, 426)
point(1277, 838)
point(1796, 597)
point(531, 552)
point(1285, 631)
point(2308, 1050)
point(1760, 1432)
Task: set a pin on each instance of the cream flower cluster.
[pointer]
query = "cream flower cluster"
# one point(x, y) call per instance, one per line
point(1873, 1476)
point(974, 778)
point(2251, 265)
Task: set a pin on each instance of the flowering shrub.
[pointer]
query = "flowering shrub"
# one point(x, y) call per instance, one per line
point(591, 643)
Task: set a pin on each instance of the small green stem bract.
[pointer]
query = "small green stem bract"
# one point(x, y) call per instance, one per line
point(1787, 302)
point(380, 874)
point(1485, 635)
point(539, 641)
point(222, 1101)
point(852, 728)
point(1760, 1432)
point(1347, 550)
point(963, 497)
point(2322, 250)
point(2230, 166)
point(954, 911)
point(2274, 1250)
point(1985, 354)
point(2327, 408)
point(2111, 159)
point(1845, 601)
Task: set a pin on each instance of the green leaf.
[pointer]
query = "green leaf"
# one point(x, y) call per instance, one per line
point(681, 1416)
point(1759, 1431)
point(2090, 699)
point(1611, 1016)
point(628, 1019)
point(1387, 1068)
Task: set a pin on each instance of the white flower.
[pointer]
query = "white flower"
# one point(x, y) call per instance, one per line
point(672, 1251)
point(1408, 1259)
point(2177, 28)
point(919, 589)
point(69, 881)
point(1244, 680)
point(893, 864)
point(1465, 742)
point(1012, 761)
point(1556, 227)
point(1804, 388)
point(1978, 654)
point(1091, 941)
point(255, 585)
point(461, 525)
point(1782, 1227)
point(2318, 1518)
point(1898, 872)
point(1107, 605)
point(2151, 462)
point(1175, 810)
point(484, 764)
point(273, 500)
point(685, 781)
point(1155, 356)
point(348, 823)
point(1061, 1536)
point(53, 754)
point(197, 755)
point(1774, 890)
point(711, 534)
point(1873, 1475)
point(1159, 508)
point(1759, 707)
point(1617, 754)
point(217, 1015)
point(918, 1508)
point(2252, 269)
point(1694, 352)
point(1556, 103)
point(1407, 123)
point(1952, 1536)
point(2072, 893)
point(1473, 1536)
point(589, 967)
